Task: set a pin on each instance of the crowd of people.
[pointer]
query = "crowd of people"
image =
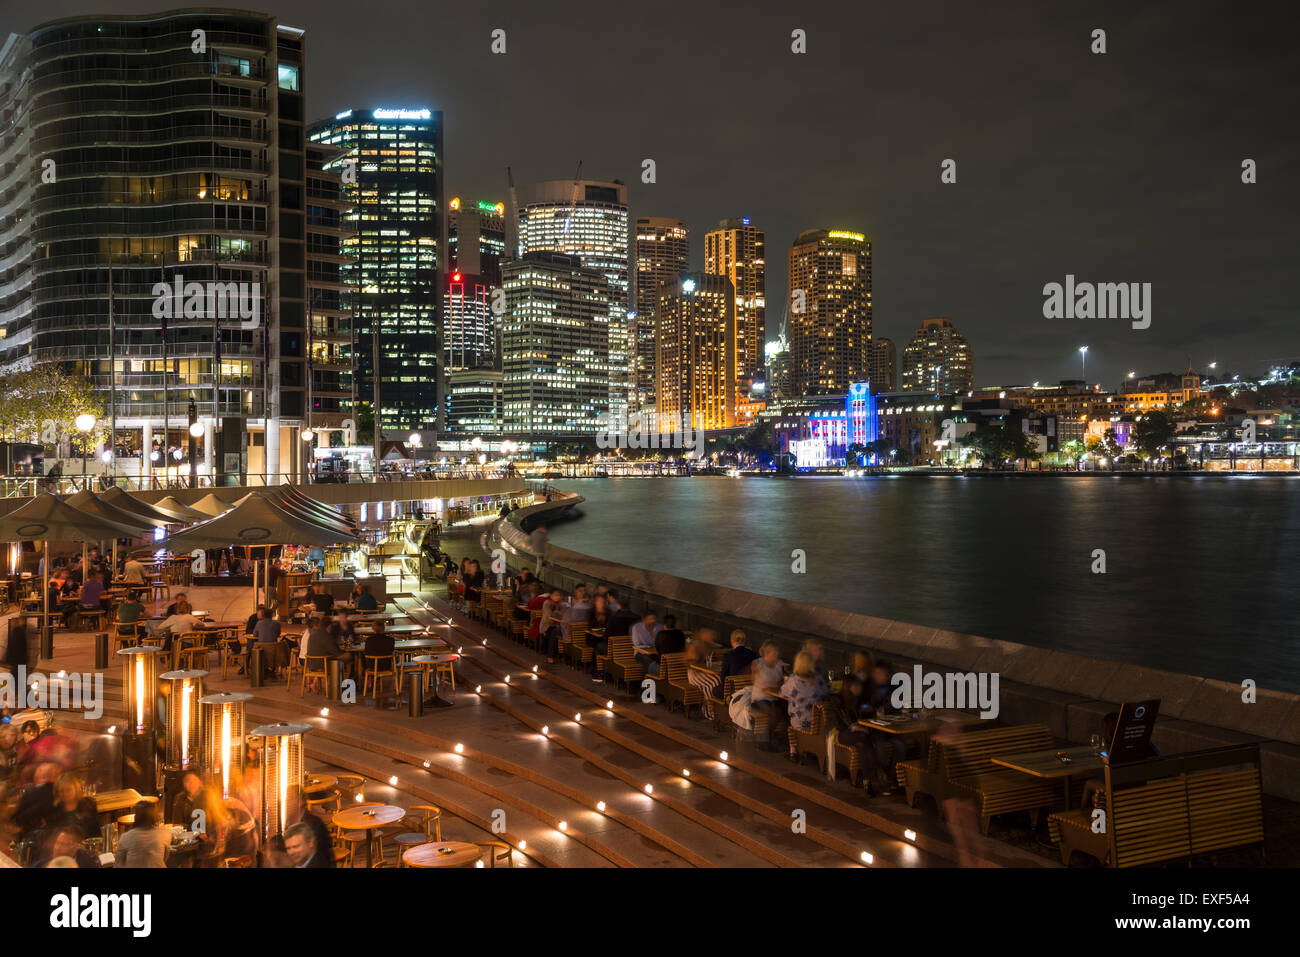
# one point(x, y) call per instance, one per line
point(783, 694)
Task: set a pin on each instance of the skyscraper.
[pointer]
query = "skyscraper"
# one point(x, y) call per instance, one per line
point(391, 166)
point(884, 365)
point(154, 238)
point(695, 380)
point(830, 311)
point(938, 359)
point(555, 348)
point(662, 255)
point(736, 249)
point(589, 220)
point(476, 244)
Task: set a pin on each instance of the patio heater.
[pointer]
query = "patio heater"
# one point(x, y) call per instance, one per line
point(182, 728)
point(223, 746)
point(282, 768)
point(140, 694)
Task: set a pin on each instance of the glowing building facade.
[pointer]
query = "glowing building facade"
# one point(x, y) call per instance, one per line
point(736, 249)
point(830, 311)
point(695, 380)
point(662, 255)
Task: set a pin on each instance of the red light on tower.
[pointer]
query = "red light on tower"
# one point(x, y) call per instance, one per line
point(455, 277)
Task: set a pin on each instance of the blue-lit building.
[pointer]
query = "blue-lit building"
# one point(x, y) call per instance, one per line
point(818, 431)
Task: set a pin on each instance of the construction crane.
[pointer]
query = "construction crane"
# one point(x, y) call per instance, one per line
point(573, 198)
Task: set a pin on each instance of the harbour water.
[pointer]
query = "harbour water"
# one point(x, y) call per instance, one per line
point(1200, 571)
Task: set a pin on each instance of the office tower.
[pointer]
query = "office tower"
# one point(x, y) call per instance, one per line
point(735, 249)
point(695, 380)
point(474, 402)
point(392, 170)
point(662, 255)
point(938, 359)
point(777, 354)
point(331, 413)
point(830, 311)
point(884, 365)
point(587, 219)
point(161, 251)
point(555, 348)
point(476, 243)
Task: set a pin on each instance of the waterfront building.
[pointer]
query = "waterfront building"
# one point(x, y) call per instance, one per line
point(155, 235)
point(938, 359)
point(474, 402)
point(829, 311)
point(391, 159)
point(695, 358)
point(884, 365)
point(1164, 390)
point(662, 248)
point(587, 219)
point(555, 349)
point(736, 248)
point(817, 431)
point(912, 422)
point(777, 354)
point(1072, 403)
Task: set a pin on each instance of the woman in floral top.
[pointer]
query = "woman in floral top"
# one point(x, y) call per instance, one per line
point(803, 689)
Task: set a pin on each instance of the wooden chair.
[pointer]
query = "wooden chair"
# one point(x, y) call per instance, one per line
point(675, 683)
point(351, 788)
point(534, 619)
point(328, 802)
point(414, 829)
point(721, 706)
point(621, 664)
point(965, 770)
point(308, 671)
point(431, 820)
point(378, 667)
point(159, 590)
point(126, 634)
point(95, 617)
point(813, 741)
point(232, 653)
point(497, 851)
point(190, 650)
point(295, 666)
point(579, 653)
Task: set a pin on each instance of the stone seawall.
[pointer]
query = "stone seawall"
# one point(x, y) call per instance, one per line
point(1067, 692)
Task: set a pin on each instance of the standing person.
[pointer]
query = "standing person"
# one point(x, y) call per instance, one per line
point(537, 543)
point(644, 633)
point(768, 671)
point(803, 689)
point(473, 582)
point(146, 842)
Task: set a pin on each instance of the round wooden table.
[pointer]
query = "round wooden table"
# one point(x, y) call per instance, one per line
point(315, 783)
point(368, 817)
point(443, 854)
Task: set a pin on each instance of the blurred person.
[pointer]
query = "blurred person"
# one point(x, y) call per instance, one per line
point(817, 652)
point(804, 688)
point(473, 580)
point(304, 849)
point(364, 600)
point(216, 828)
point(133, 571)
point(862, 667)
point(8, 749)
point(187, 801)
point(739, 659)
point(145, 842)
point(549, 625)
point(848, 708)
point(72, 808)
point(180, 606)
point(768, 670)
point(644, 633)
point(35, 808)
point(699, 652)
point(66, 842)
point(670, 639)
point(889, 748)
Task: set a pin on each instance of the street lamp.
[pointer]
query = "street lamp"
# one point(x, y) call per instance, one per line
point(85, 424)
point(1083, 359)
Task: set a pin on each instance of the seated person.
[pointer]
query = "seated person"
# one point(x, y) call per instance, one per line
point(670, 639)
point(180, 605)
point(738, 660)
point(803, 689)
point(889, 748)
point(378, 645)
point(173, 625)
point(66, 842)
point(321, 600)
point(320, 642)
point(131, 611)
point(769, 671)
point(266, 633)
point(146, 841)
point(644, 633)
point(133, 571)
point(365, 600)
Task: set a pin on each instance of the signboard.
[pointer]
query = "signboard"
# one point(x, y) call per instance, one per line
point(1133, 731)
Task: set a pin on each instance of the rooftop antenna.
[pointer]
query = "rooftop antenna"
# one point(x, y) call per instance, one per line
point(573, 199)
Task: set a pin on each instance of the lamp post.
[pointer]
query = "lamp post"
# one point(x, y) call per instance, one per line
point(195, 431)
point(85, 424)
point(309, 437)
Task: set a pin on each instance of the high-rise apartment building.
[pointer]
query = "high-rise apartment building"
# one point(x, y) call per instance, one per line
point(662, 247)
point(695, 380)
point(586, 219)
point(555, 349)
point(938, 359)
point(884, 365)
point(391, 167)
point(830, 311)
point(154, 232)
point(736, 249)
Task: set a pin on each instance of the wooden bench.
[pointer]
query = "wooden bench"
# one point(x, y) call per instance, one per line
point(963, 768)
point(620, 663)
point(813, 741)
point(722, 705)
point(676, 683)
point(1170, 809)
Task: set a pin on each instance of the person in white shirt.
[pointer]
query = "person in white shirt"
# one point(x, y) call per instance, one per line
point(176, 625)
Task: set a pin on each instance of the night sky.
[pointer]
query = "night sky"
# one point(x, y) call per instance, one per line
point(1123, 167)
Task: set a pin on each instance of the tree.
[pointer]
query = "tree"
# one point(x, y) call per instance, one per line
point(998, 445)
point(1152, 432)
point(41, 405)
point(1074, 449)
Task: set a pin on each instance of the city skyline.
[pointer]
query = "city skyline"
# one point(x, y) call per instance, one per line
point(1094, 165)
